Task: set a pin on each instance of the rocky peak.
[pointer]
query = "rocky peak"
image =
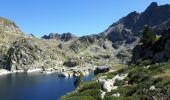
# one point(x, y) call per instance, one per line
point(67, 36)
point(152, 6)
point(62, 37)
point(134, 23)
point(130, 20)
point(51, 36)
point(154, 15)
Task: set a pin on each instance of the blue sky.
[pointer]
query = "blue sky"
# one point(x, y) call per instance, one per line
point(80, 17)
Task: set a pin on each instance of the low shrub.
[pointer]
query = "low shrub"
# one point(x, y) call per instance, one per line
point(89, 85)
point(119, 82)
point(79, 98)
point(115, 98)
point(95, 93)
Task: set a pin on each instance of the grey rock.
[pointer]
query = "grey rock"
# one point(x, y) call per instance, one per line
point(159, 57)
point(159, 52)
point(62, 37)
point(101, 69)
point(167, 49)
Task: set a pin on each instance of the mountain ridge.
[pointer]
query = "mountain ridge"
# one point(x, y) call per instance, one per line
point(114, 45)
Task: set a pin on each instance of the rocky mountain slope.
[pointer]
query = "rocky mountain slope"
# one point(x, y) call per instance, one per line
point(147, 78)
point(23, 52)
point(114, 45)
point(158, 52)
point(120, 38)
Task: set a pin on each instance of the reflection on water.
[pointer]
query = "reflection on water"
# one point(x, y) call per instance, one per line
point(35, 86)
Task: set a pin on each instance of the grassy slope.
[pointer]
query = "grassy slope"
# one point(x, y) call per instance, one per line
point(140, 79)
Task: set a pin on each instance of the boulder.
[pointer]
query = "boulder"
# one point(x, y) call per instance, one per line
point(137, 53)
point(63, 74)
point(71, 63)
point(4, 72)
point(167, 49)
point(101, 69)
point(108, 85)
point(116, 95)
point(75, 74)
point(70, 74)
point(34, 70)
point(159, 57)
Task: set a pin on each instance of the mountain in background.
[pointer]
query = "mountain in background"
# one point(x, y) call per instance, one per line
point(61, 37)
point(114, 45)
point(124, 34)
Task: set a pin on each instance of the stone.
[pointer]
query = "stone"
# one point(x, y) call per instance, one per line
point(167, 49)
point(63, 74)
point(116, 94)
point(34, 70)
point(102, 94)
point(159, 57)
point(101, 69)
point(4, 72)
point(152, 88)
point(108, 84)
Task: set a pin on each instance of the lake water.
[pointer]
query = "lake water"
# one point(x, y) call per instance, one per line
point(35, 86)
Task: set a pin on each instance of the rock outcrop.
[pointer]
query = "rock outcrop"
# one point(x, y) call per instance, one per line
point(101, 69)
point(159, 52)
point(62, 37)
point(109, 84)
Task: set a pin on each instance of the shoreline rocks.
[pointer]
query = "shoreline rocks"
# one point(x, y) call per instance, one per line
point(4, 72)
point(61, 71)
point(34, 70)
point(63, 74)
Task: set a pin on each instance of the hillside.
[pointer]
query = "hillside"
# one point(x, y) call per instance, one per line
point(120, 38)
point(23, 52)
point(113, 46)
point(145, 79)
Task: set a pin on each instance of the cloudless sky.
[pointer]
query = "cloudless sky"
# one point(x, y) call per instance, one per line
point(80, 17)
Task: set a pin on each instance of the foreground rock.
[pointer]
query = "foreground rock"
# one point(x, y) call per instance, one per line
point(108, 84)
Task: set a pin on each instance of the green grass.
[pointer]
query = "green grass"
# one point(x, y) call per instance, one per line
point(88, 85)
point(85, 91)
point(79, 98)
point(139, 79)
